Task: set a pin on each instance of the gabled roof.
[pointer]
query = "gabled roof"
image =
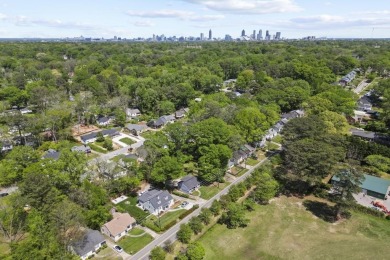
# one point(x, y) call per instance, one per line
point(51, 154)
point(119, 223)
point(103, 120)
point(131, 111)
point(363, 134)
point(190, 182)
point(110, 132)
point(136, 127)
point(364, 100)
point(158, 198)
point(81, 148)
point(88, 242)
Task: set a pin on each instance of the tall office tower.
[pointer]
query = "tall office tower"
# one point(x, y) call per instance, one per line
point(202, 36)
point(277, 37)
point(260, 35)
point(210, 35)
point(243, 33)
point(228, 37)
point(254, 35)
point(267, 35)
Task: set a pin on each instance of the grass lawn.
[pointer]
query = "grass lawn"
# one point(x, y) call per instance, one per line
point(127, 140)
point(133, 244)
point(251, 162)
point(107, 254)
point(165, 219)
point(207, 192)
point(148, 134)
point(129, 205)
point(136, 231)
point(117, 158)
point(97, 148)
point(286, 230)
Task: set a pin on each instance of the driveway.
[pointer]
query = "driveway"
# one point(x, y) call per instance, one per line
point(111, 244)
point(9, 190)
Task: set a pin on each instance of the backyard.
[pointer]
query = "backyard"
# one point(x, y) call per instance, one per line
point(153, 222)
point(127, 140)
point(207, 192)
point(130, 206)
point(131, 245)
point(286, 230)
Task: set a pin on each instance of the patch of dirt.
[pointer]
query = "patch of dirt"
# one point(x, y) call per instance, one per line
point(78, 130)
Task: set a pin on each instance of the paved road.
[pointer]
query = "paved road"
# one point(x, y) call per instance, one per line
point(362, 85)
point(170, 235)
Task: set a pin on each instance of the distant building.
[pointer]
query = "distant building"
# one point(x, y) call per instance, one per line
point(242, 33)
point(277, 37)
point(202, 36)
point(210, 35)
point(260, 35)
point(254, 35)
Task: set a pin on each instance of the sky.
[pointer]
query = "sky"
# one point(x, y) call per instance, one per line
point(143, 18)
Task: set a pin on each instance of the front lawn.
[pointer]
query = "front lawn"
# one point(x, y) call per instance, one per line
point(154, 223)
point(136, 231)
point(251, 162)
point(97, 148)
point(148, 134)
point(133, 244)
point(207, 192)
point(286, 230)
point(130, 206)
point(107, 253)
point(127, 140)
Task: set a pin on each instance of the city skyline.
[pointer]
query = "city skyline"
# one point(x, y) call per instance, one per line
point(131, 19)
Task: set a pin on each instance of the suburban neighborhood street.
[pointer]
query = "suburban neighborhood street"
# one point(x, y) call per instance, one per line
point(170, 235)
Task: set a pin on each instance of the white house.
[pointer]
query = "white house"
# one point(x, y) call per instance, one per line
point(132, 112)
point(155, 201)
point(118, 226)
point(104, 121)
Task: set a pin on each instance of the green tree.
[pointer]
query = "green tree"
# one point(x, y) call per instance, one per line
point(216, 207)
point(195, 251)
point(378, 161)
point(108, 144)
point(234, 217)
point(184, 234)
point(213, 162)
point(251, 123)
point(266, 187)
point(158, 253)
point(167, 168)
point(205, 216)
point(245, 79)
point(196, 225)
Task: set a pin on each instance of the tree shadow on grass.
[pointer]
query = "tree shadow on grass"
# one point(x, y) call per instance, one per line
point(321, 210)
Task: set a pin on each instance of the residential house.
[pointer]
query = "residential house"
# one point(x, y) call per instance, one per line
point(81, 148)
point(162, 121)
point(364, 104)
point(51, 154)
point(25, 111)
point(247, 149)
point(136, 129)
point(118, 226)
point(132, 112)
point(169, 118)
point(188, 184)
point(91, 137)
point(104, 121)
point(88, 244)
point(347, 78)
point(181, 113)
point(239, 156)
point(5, 146)
point(155, 201)
point(371, 136)
point(293, 114)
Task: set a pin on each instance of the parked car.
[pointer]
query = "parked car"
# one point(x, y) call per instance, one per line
point(118, 249)
point(3, 194)
point(184, 204)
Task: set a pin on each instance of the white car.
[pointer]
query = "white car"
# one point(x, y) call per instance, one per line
point(118, 249)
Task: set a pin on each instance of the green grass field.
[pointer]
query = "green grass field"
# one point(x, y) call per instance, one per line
point(133, 244)
point(129, 205)
point(167, 218)
point(207, 192)
point(286, 230)
point(97, 148)
point(127, 140)
point(136, 231)
point(251, 162)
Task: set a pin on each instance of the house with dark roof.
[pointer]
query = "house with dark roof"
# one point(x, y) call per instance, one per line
point(118, 227)
point(81, 149)
point(91, 137)
point(364, 104)
point(180, 113)
point(103, 121)
point(6, 146)
point(51, 154)
point(188, 184)
point(155, 201)
point(136, 129)
point(371, 186)
point(88, 244)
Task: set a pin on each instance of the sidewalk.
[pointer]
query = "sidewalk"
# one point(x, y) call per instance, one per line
point(149, 231)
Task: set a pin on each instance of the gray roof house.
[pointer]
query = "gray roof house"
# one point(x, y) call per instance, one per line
point(103, 121)
point(364, 104)
point(189, 184)
point(155, 201)
point(51, 154)
point(132, 112)
point(81, 148)
point(136, 129)
point(88, 244)
point(91, 137)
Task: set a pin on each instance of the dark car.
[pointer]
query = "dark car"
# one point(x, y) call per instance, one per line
point(3, 194)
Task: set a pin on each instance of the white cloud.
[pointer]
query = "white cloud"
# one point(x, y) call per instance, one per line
point(178, 14)
point(144, 24)
point(249, 6)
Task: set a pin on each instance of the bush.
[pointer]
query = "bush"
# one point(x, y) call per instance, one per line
point(188, 212)
point(366, 210)
point(181, 194)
